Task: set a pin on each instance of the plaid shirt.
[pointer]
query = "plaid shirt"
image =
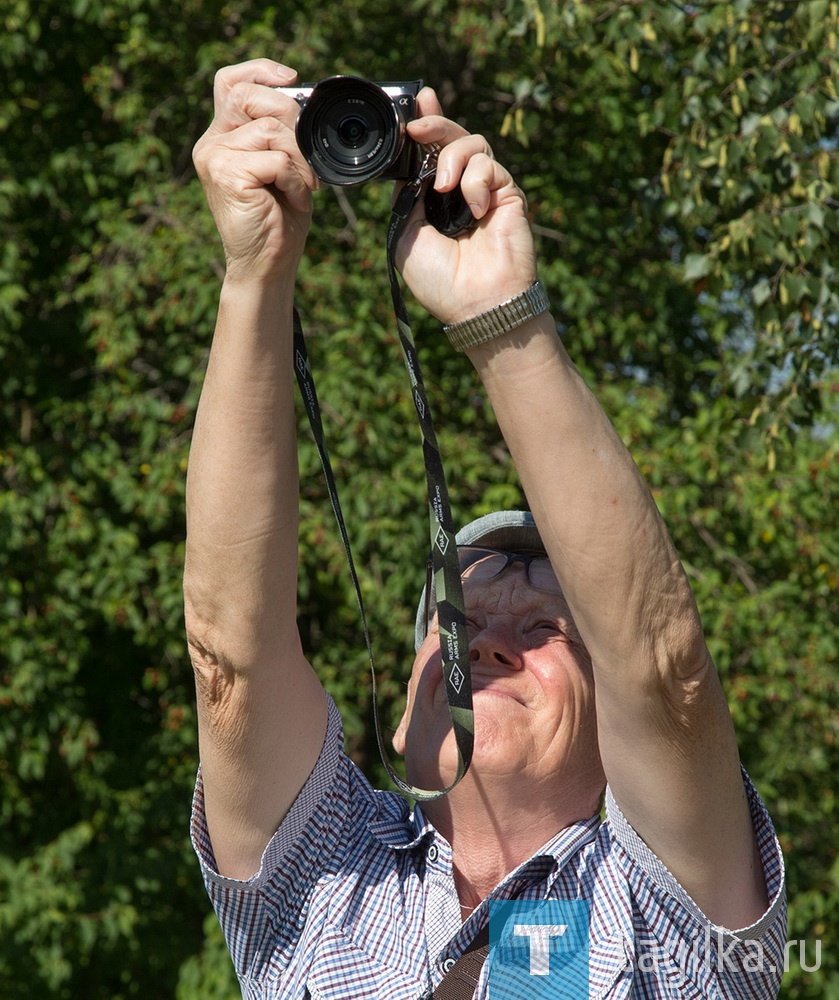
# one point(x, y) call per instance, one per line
point(355, 899)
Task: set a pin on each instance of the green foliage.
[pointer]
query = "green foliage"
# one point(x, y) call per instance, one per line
point(681, 166)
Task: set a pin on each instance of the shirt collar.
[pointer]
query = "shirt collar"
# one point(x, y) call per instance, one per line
point(401, 829)
point(568, 841)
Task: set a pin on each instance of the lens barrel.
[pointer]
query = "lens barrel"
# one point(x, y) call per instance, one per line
point(350, 131)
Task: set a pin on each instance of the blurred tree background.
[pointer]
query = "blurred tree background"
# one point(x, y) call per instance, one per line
point(680, 161)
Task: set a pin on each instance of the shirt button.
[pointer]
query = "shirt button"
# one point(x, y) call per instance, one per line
point(447, 964)
point(433, 851)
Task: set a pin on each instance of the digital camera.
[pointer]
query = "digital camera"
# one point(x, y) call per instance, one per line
point(352, 130)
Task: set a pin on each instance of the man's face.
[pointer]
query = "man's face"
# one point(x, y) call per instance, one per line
point(532, 689)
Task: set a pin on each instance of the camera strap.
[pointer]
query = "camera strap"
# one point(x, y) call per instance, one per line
point(448, 589)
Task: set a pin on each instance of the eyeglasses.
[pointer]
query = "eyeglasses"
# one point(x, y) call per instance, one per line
point(482, 564)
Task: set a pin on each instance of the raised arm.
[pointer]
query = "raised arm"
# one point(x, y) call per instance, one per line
point(261, 710)
point(666, 737)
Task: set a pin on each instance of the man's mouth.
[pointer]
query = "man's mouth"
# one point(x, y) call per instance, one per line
point(495, 686)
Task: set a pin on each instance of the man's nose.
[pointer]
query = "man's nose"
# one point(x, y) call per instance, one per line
point(496, 645)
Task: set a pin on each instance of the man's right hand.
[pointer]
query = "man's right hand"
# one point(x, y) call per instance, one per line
point(256, 180)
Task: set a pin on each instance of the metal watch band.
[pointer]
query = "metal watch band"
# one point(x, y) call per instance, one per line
point(500, 319)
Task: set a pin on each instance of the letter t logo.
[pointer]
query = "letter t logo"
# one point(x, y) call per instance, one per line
point(538, 949)
point(540, 944)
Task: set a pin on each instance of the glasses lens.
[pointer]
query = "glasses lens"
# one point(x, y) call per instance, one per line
point(480, 564)
point(542, 576)
point(486, 564)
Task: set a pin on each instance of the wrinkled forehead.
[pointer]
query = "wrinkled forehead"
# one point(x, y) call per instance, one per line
point(513, 581)
point(511, 593)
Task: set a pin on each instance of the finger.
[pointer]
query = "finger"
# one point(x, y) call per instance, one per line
point(455, 158)
point(487, 185)
point(246, 101)
point(267, 134)
point(275, 170)
point(282, 172)
point(427, 103)
point(259, 133)
point(263, 71)
point(231, 153)
point(435, 128)
point(476, 184)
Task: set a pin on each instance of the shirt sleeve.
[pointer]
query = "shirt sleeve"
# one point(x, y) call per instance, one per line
point(675, 939)
point(261, 917)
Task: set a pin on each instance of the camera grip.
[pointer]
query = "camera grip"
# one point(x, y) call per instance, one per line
point(448, 212)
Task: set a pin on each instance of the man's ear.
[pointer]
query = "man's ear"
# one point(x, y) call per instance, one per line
point(399, 737)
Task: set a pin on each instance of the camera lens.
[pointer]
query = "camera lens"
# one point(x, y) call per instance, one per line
point(349, 130)
point(352, 141)
point(353, 131)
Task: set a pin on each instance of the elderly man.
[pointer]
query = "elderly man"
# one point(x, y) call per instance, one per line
point(589, 662)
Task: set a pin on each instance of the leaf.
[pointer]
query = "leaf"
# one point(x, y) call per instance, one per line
point(761, 292)
point(697, 266)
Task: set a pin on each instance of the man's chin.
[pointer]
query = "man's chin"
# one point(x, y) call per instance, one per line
point(431, 757)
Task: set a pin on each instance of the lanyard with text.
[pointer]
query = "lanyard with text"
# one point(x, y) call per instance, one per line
point(448, 589)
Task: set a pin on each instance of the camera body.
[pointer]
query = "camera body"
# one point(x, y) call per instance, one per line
point(352, 130)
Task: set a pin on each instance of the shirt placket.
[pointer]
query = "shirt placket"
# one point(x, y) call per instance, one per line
point(442, 906)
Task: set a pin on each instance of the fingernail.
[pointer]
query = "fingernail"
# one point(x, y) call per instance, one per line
point(443, 179)
point(285, 71)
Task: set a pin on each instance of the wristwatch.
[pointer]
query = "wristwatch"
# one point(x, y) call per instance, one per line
point(500, 319)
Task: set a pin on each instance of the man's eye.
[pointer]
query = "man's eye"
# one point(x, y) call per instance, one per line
point(547, 625)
